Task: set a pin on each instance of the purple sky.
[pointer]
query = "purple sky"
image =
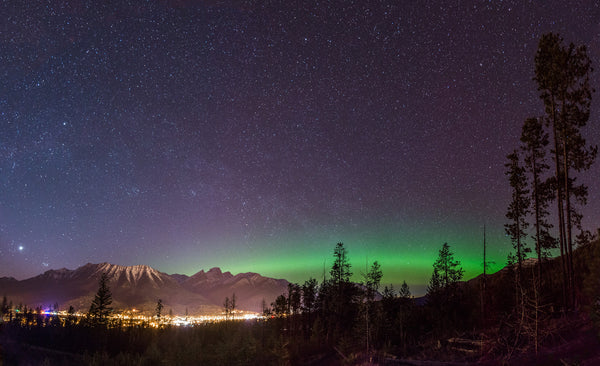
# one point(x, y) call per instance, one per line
point(254, 136)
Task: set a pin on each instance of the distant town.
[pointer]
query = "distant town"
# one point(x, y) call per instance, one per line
point(132, 318)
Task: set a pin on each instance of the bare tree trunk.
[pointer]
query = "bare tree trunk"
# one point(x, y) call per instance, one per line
point(483, 283)
point(569, 229)
point(559, 199)
point(536, 306)
point(520, 269)
point(536, 202)
point(567, 198)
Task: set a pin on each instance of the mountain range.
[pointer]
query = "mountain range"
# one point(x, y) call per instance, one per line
point(141, 286)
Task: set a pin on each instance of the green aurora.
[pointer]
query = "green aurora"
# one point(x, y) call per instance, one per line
point(404, 255)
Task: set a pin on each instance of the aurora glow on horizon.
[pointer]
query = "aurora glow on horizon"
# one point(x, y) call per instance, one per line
point(253, 136)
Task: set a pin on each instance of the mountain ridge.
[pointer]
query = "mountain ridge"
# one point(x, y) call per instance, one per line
point(140, 287)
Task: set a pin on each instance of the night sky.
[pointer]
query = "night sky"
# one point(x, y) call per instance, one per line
point(254, 136)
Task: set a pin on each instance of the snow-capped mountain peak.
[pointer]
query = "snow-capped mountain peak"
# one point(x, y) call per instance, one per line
point(141, 286)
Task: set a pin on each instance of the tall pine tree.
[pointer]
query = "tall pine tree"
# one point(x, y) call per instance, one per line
point(534, 143)
point(100, 308)
point(340, 296)
point(562, 74)
point(517, 209)
point(443, 292)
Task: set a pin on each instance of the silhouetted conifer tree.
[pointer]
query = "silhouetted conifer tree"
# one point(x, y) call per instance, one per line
point(518, 209)
point(404, 291)
point(71, 318)
point(280, 306)
point(233, 305)
point(446, 271)
point(309, 299)
point(562, 74)
point(229, 306)
point(340, 270)
point(159, 308)
point(535, 141)
point(443, 295)
point(372, 282)
point(339, 297)
point(100, 308)
point(309, 295)
point(294, 298)
point(4, 307)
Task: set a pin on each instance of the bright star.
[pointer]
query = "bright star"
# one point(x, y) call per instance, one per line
point(21, 248)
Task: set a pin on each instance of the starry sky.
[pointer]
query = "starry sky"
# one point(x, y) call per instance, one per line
point(254, 136)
